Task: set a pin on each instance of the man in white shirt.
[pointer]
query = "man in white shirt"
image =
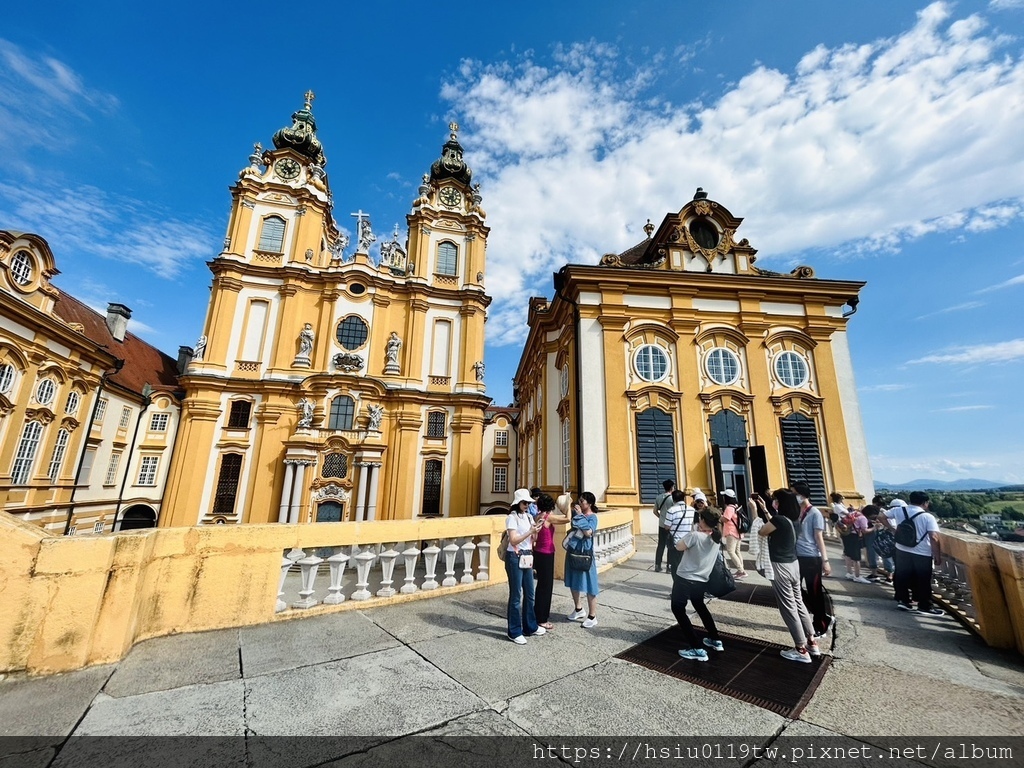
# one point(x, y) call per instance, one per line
point(662, 502)
point(914, 563)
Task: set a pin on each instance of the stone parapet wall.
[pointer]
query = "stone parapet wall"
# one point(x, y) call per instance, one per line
point(75, 601)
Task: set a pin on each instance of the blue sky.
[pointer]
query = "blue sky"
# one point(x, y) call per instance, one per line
point(875, 141)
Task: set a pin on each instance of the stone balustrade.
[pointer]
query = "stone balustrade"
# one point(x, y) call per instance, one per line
point(77, 601)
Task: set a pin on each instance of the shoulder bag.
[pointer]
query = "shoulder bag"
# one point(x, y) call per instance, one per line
point(720, 582)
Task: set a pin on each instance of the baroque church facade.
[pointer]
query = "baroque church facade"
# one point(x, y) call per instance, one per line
point(331, 386)
point(681, 359)
point(327, 387)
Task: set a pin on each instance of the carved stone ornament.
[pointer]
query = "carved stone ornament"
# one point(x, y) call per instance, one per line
point(331, 491)
point(305, 408)
point(702, 208)
point(348, 362)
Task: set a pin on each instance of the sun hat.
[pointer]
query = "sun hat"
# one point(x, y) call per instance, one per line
point(897, 503)
point(729, 492)
point(522, 494)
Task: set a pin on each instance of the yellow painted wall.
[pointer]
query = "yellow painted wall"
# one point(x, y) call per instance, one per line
point(75, 601)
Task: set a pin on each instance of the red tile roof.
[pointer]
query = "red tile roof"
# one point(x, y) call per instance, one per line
point(143, 363)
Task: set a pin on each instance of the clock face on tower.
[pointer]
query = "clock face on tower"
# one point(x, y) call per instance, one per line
point(287, 169)
point(450, 197)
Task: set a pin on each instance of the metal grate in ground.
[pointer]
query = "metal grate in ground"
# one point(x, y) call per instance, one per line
point(748, 670)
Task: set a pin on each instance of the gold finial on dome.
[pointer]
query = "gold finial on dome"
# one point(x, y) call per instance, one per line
point(309, 99)
point(454, 128)
point(649, 229)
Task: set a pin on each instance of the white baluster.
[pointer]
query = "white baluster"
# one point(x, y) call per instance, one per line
point(281, 604)
point(387, 566)
point(467, 562)
point(337, 563)
point(410, 555)
point(309, 571)
point(430, 555)
point(484, 548)
point(364, 560)
point(450, 551)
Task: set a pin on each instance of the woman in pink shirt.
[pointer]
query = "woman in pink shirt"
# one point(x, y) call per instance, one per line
point(544, 557)
point(731, 533)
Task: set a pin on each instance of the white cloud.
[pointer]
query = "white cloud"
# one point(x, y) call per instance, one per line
point(999, 352)
point(954, 308)
point(1018, 280)
point(885, 388)
point(1005, 5)
point(39, 97)
point(86, 220)
point(865, 144)
point(959, 408)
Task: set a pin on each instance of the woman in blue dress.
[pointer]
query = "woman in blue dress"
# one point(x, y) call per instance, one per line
point(583, 526)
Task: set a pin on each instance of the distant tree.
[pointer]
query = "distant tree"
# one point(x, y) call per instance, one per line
point(1012, 513)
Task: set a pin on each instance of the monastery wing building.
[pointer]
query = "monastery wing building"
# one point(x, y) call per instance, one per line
point(678, 358)
point(326, 387)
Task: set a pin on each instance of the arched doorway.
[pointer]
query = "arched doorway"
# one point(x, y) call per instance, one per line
point(137, 516)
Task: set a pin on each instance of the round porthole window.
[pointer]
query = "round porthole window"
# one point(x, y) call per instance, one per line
point(723, 366)
point(352, 332)
point(791, 369)
point(651, 363)
point(357, 289)
point(704, 233)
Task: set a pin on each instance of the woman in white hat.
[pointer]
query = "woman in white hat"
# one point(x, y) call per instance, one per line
point(732, 536)
point(521, 528)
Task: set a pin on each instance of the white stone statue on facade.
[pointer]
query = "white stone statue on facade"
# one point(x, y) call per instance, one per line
point(376, 415)
point(200, 348)
point(364, 232)
point(306, 340)
point(479, 367)
point(339, 246)
point(305, 407)
point(391, 354)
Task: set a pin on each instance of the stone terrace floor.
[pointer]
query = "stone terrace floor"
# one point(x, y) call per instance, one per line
point(444, 665)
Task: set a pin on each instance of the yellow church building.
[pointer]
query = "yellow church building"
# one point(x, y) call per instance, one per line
point(680, 359)
point(325, 386)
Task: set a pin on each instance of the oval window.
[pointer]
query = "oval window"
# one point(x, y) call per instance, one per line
point(651, 363)
point(723, 366)
point(791, 369)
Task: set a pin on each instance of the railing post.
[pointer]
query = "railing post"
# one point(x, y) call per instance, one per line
point(450, 551)
point(337, 563)
point(467, 561)
point(364, 560)
point(410, 555)
point(309, 570)
point(484, 548)
point(430, 555)
point(387, 567)
point(281, 605)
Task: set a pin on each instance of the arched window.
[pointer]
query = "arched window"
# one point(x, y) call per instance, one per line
point(656, 451)
point(343, 410)
point(803, 454)
point(25, 456)
point(432, 487)
point(71, 407)
point(57, 459)
point(447, 259)
point(272, 236)
point(238, 418)
point(227, 484)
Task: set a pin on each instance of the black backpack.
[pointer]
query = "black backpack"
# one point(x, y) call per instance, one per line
point(906, 531)
point(742, 519)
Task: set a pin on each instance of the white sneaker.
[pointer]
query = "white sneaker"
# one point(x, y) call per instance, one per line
point(540, 631)
point(588, 623)
point(518, 640)
point(861, 580)
point(576, 615)
point(849, 577)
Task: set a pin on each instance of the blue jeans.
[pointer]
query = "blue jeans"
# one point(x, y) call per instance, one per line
point(521, 617)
